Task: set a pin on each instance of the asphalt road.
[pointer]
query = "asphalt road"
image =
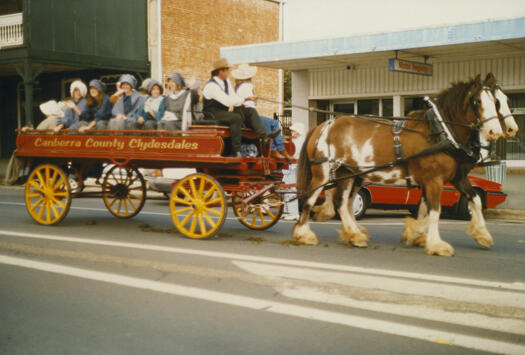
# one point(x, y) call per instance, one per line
point(97, 284)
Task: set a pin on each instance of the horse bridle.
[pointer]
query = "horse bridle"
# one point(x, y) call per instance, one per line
point(475, 104)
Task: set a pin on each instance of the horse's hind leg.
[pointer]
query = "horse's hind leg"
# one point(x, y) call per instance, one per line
point(415, 233)
point(325, 211)
point(352, 232)
point(301, 231)
point(434, 244)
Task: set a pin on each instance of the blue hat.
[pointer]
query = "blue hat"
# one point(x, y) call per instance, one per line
point(152, 83)
point(97, 84)
point(178, 79)
point(128, 78)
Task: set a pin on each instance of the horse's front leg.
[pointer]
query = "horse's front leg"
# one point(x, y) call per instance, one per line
point(352, 232)
point(477, 228)
point(325, 211)
point(434, 244)
point(415, 233)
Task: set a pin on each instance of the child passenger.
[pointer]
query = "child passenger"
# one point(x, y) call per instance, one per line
point(153, 108)
point(98, 110)
point(126, 108)
point(76, 107)
point(179, 103)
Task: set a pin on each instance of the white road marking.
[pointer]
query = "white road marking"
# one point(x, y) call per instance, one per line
point(290, 262)
point(388, 327)
point(395, 296)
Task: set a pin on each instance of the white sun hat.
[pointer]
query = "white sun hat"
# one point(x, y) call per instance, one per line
point(51, 108)
point(244, 71)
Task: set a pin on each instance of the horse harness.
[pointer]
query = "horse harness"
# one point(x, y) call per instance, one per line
point(445, 141)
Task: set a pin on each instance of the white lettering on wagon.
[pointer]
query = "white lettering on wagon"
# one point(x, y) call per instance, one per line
point(39, 142)
point(138, 143)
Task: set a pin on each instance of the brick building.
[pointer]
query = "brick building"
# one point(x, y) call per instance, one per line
point(192, 33)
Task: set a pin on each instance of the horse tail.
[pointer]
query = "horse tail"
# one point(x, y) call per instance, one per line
point(304, 173)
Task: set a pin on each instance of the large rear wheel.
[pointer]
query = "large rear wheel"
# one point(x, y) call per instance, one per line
point(124, 191)
point(198, 206)
point(47, 194)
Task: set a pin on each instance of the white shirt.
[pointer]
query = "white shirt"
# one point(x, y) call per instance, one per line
point(246, 90)
point(216, 92)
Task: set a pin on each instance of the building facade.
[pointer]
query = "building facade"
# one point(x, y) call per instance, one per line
point(192, 33)
point(353, 75)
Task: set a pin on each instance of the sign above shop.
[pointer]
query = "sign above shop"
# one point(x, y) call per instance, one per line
point(406, 66)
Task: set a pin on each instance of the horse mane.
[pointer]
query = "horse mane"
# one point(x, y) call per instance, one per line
point(451, 100)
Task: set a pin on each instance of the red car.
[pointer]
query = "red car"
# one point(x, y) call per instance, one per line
point(401, 197)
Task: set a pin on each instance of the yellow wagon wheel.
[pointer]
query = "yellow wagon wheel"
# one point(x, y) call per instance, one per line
point(124, 191)
point(47, 194)
point(260, 213)
point(198, 206)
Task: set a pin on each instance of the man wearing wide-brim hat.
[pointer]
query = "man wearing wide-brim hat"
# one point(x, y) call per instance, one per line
point(219, 96)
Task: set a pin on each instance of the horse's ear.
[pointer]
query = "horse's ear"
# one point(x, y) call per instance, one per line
point(490, 80)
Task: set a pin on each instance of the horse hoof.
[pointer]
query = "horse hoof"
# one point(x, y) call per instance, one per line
point(440, 248)
point(357, 239)
point(480, 235)
point(304, 235)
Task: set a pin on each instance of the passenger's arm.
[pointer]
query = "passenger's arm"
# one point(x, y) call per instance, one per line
point(214, 91)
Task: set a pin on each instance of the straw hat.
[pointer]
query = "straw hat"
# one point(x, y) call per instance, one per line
point(244, 71)
point(220, 63)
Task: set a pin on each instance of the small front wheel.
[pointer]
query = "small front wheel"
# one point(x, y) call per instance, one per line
point(261, 212)
point(124, 191)
point(47, 194)
point(198, 206)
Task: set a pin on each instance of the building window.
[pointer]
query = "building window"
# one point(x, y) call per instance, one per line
point(368, 107)
point(388, 107)
point(414, 103)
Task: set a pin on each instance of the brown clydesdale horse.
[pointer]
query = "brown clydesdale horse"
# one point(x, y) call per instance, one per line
point(353, 145)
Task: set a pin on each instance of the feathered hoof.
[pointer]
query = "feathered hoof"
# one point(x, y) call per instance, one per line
point(411, 234)
point(304, 235)
point(440, 248)
point(357, 239)
point(480, 234)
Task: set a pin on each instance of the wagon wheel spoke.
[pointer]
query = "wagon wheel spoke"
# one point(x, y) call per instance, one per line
point(202, 225)
point(132, 205)
point(262, 216)
point(182, 210)
point(58, 202)
point(48, 212)
point(119, 207)
point(33, 195)
point(136, 188)
point(185, 192)
point(201, 187)
point(54, 178)
point(209, 220)
point(212, 211)
point(184, 202)
point(125, 206)
point(269, 213)
point(187, 218)
point(217, 200)
point(59, 183)
point(254, 218)
point(54, 210)
point(194, 189)
point(133, 196)
point(247, 211)
point(36, 186)
point(46, 174)
point(193, 224)
point(209, 192)
point(40, 178)
point(37, 203)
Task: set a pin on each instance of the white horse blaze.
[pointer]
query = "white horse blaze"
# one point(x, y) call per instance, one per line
point(491, 130)
point(504, 110)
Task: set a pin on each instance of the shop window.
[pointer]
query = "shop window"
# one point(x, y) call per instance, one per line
point(344, 108)
point(368, 107)
point(514, 148)
point(414, 103)
point(388, 107)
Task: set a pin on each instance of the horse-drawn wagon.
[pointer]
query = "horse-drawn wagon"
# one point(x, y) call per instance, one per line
point(198, 202)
